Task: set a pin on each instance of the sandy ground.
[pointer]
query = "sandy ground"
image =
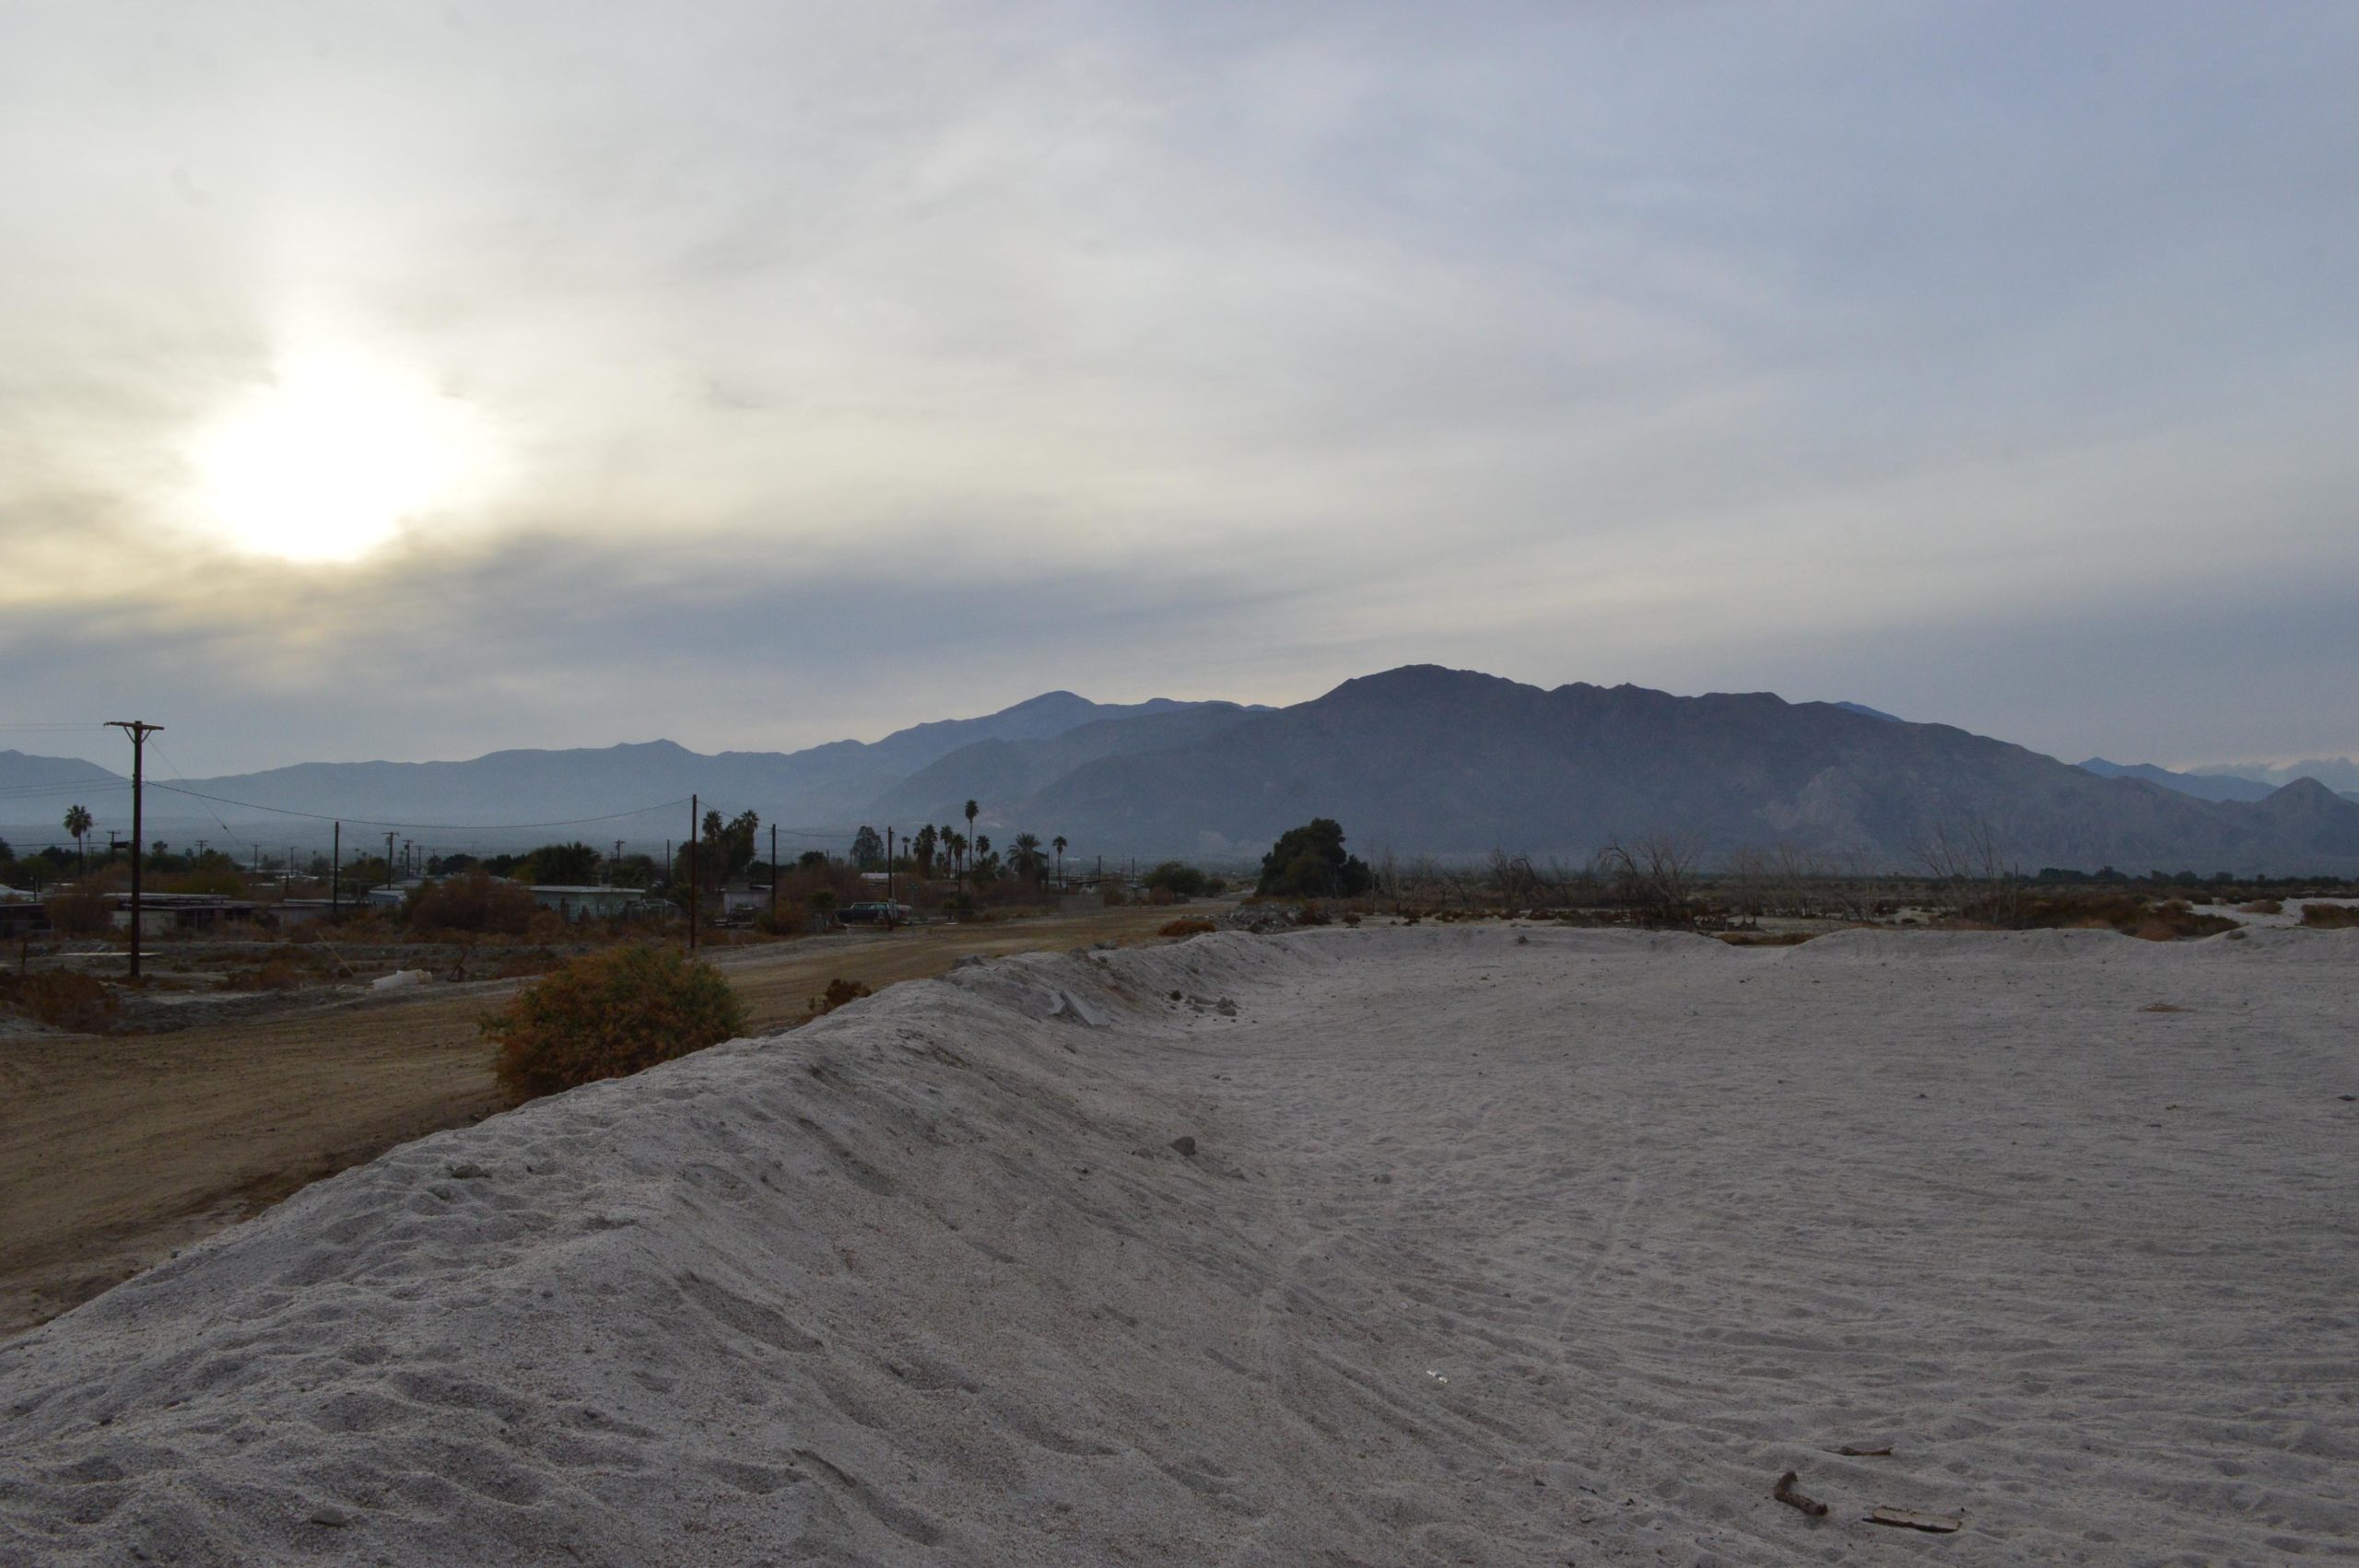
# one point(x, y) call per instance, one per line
point(115, 1151)
point(1481, 1250)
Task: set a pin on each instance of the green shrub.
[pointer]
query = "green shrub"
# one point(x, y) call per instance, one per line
point(610, 1014)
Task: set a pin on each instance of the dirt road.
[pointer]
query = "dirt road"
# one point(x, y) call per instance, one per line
point(115, 1152)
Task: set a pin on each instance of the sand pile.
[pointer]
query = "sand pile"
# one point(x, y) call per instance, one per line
point(1471, 1248)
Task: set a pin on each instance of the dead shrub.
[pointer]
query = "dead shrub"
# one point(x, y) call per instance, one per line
point(278, 973)
point(80, 1004)
point(474, 902)
point(1190, 925)
point(79, 914)
point(2262, 907)
point(2331, 917)
point(840, 991)
point(607, 1015)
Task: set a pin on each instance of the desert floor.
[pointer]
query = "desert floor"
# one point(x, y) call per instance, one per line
point(115, 1151)
point(1401, 1246)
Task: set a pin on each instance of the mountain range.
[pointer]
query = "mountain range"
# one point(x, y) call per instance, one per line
point(1418, 760)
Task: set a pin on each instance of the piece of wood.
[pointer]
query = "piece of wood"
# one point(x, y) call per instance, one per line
point(1902, 1518)
point(1784, 1493)
point(1850, 1453)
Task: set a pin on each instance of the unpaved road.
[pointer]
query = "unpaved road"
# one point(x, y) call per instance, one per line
point(115, 1152)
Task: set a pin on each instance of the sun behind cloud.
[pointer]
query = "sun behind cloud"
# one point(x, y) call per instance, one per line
point(328, 462)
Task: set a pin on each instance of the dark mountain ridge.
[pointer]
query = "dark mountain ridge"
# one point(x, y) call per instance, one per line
point(1420, 760)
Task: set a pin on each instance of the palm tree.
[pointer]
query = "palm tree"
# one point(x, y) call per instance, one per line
point(1059, 841)
point(970, 822)
point(1026, 857)
point(78, 823)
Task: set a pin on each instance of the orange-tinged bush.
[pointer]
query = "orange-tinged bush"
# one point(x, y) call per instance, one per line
point(63, 1000)
point(607, 1015)
point(840, 991)
point(79, 914)
point(476, 902)
point(1193, 925)
point(2331, 917)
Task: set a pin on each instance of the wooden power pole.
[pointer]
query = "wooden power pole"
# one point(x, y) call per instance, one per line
point(138, 732)
point(693, 857)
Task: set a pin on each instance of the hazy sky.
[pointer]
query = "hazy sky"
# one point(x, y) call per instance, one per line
point(412, 379)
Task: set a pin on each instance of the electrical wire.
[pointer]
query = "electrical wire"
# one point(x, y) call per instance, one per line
point(419, 827)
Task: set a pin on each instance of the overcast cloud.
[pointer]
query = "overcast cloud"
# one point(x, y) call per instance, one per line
point(805, 371)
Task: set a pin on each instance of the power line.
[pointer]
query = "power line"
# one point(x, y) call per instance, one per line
point(419, 827)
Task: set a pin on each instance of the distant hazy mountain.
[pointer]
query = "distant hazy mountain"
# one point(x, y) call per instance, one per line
point(1450, 762)
point(1421, 759)
point(2203, 787)
point(1864, 711)
point(822, 786)
point(2340, 774)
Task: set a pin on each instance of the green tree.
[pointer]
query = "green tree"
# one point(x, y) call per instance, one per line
point(1310, 862)
point(559, 865)
point(868, 848)
point(924, 846)
point(970, 828)
point(1179, 878)
point(1025, 859)
point(78, 823)
point(1059, 842)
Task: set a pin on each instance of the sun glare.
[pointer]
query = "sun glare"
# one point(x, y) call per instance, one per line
point(328, 462)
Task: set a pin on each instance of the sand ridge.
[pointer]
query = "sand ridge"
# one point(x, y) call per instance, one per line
point(1494, 1247)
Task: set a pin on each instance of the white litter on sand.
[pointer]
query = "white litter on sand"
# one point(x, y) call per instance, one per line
point(1395, 1246)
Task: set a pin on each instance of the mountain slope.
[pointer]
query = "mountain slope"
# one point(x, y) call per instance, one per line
point(2203, 787)
point(822, 786)
point(1424, 759)
point(996, 773)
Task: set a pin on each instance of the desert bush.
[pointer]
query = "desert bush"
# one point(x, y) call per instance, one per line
point(1189, 925)
point(474, 902)
point(277, 972)
point(79, 914)
point(2131, 914)
point(2262, 907)
point(1161, 897)
point(609, 1015)
point(840, 991)
point(2331, 917)
point(1110, 894)
point(81, 1004)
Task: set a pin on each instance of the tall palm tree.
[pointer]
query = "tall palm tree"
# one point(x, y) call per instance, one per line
point(970, 822)
point(78, 823)
point(1026, 857)
point(1060, 842)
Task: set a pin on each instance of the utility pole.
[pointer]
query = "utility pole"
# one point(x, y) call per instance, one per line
point(138, 732)
point(336, 876)
point(613, 864)
point(693, 857)
point(389, 858)
point(888, 879)
point(773, 874)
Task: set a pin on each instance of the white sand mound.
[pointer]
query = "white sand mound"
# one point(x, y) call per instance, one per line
point(1487, 1251)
